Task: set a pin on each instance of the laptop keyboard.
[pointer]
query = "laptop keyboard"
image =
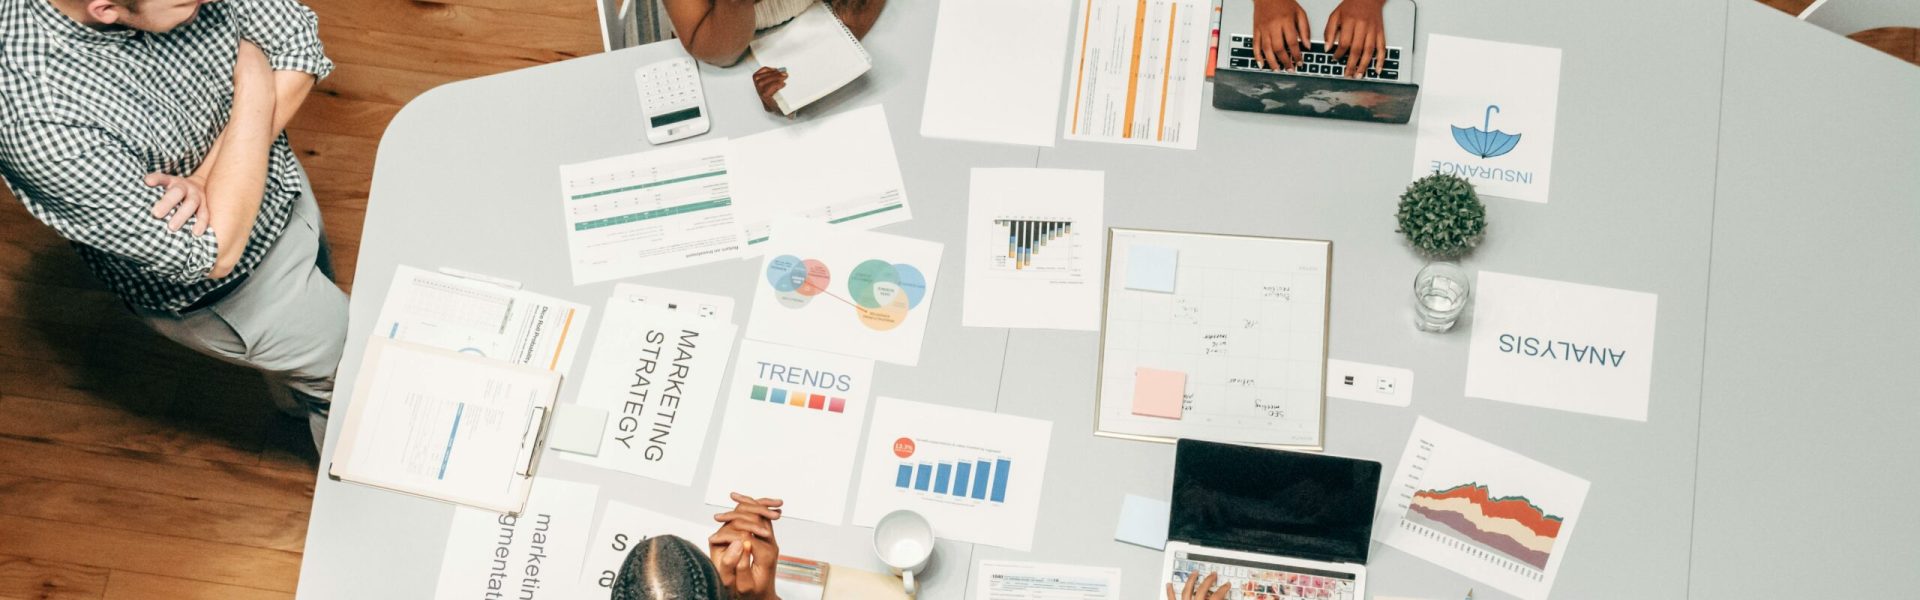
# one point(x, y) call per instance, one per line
point(1266, 582)
point(1315, 61)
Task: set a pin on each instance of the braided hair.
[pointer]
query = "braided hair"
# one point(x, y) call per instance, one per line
point(666, 567)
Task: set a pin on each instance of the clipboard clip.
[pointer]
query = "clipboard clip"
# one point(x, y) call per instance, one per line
point(531, 440)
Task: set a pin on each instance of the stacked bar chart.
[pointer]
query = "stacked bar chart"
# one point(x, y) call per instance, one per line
point(983, 480)
point(1027, 238)
point(799, 399)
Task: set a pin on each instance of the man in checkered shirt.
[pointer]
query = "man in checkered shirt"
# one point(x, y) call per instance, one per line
point(148, 133)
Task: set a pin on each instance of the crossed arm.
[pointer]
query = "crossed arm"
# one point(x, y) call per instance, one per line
point(224, 192)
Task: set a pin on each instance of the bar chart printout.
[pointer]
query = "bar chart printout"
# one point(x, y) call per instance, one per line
point(975, 475)
point(1480, 510)
point(1138, 72)
point(1036, 244)
point(983, 480)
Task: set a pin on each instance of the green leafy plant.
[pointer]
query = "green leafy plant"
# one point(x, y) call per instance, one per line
point(1442, 216)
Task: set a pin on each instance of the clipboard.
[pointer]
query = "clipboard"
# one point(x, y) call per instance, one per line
point(398, 435)
point(1244, 277)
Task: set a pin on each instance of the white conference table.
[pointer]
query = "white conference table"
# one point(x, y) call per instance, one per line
point(1686, 138)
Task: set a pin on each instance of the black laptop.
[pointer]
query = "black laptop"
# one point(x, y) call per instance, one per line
point(1274, 524)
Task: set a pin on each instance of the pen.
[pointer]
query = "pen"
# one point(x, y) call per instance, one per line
point(782, 70)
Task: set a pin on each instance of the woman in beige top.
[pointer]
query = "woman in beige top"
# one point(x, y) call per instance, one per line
point(717, 31)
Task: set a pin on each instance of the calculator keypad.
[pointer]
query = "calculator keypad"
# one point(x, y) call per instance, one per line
point(668, 86)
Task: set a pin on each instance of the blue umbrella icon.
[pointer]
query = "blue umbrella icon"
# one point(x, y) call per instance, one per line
point(1487, 142)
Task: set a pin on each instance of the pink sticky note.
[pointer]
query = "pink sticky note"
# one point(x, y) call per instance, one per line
point(1158, 393)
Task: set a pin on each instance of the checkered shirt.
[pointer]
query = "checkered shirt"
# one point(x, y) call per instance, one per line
point(86, 114)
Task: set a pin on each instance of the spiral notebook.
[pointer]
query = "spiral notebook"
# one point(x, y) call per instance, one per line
point(819, 54)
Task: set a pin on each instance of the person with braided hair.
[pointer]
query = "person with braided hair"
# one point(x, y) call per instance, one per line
point(739, 564)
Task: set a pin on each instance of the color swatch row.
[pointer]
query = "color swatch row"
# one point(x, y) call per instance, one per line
point(763, 393)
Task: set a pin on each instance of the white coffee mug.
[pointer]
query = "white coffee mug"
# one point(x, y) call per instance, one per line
point(904, 541)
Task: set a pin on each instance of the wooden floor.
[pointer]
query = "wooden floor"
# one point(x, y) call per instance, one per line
point(133, 469)
point(1899, 42)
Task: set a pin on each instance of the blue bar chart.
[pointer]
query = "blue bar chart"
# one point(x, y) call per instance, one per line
point(982, 480)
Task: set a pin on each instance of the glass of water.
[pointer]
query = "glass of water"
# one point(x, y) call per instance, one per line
point(1440, 292)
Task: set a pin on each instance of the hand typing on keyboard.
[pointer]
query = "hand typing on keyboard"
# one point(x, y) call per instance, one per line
point(1206, 591)
point(1356, 37)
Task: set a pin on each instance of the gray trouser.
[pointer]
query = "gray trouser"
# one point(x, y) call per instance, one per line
point(286, 320)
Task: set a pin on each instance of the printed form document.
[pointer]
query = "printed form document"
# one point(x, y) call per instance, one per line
point(481, 318)
point(1010, 580)
point(650, 211)
point(1138, 72)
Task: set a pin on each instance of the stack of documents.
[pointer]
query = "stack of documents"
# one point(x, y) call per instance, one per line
point(455, 388)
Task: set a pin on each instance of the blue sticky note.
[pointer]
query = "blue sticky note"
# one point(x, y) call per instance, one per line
point(1152, 268)
point(1143, 522)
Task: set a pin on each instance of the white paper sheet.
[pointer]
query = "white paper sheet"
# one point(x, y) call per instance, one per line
point(1487, 113)
point(1139, 85)
point(621, 527)
point(1482, 511)
point(536, 556)
point(1035, 246)
point(919, 454)
point(1560, 345)
point(792, 425)
point(1012, 580)
point(657, 372)
point(476, 317)
point(849, 292)
point(651, 211)
point(705, 306)
point(996, 73)
point(442, 424)
point(839, 169)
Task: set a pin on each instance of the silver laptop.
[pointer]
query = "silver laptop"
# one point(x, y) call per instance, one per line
point(1272, 524)
point(1318, 85)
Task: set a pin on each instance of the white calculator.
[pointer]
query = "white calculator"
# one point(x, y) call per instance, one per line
point(672, 100)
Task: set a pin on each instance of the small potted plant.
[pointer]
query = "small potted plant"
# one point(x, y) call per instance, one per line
point(1443, 220)
point(1442, 217)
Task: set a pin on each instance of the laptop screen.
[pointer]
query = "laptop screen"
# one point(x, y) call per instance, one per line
point(1273, 501)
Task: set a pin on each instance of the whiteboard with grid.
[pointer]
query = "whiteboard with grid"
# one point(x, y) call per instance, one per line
point(1246, 322)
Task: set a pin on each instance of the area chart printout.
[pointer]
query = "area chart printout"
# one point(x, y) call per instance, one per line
point(1138, 72)
point(649, 211)
point(1480, 510)
point(481, 318)
point(1034, 249)
point(975, 475)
